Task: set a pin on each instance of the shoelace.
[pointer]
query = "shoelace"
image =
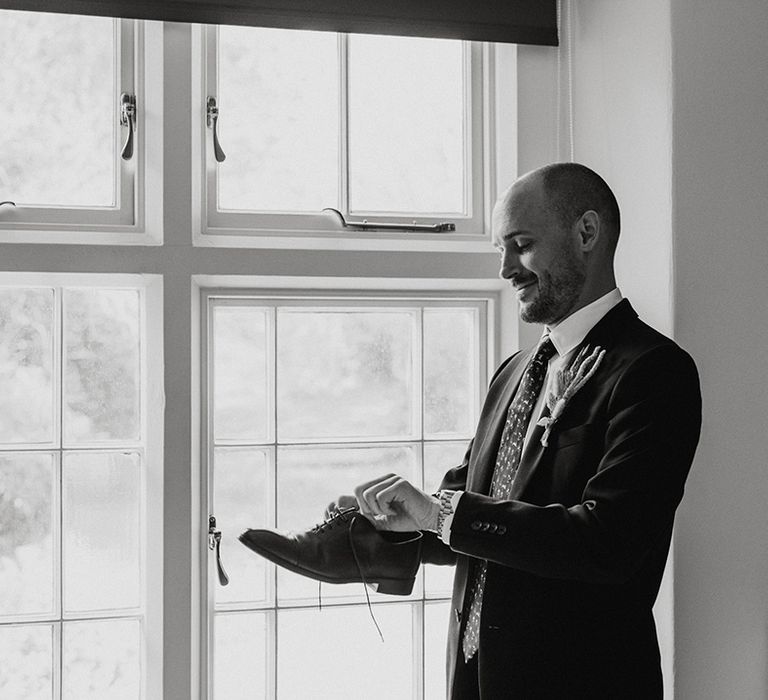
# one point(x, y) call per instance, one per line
point(345, 515)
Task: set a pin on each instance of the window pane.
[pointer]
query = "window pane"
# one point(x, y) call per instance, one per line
point(242, 388)
point(439, 457)
point(101, 531)
point(279, 120)
point(337, 653)
point(345, 374)
point(450, 375)
point(26, 362)
point(101, 364)
point(435, 634)
point(59, 118)
point(26, 662)
point(310, 478)
point(102, 660)
point(26, 534)
point(240, 668)
point(240, 502)
point(406, 125)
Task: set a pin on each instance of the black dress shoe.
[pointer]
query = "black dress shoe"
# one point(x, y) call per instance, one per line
point(346, 548)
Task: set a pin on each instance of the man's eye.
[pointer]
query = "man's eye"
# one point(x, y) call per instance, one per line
point(522, 247)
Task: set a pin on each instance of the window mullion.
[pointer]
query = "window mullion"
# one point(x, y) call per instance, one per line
point(344, 123)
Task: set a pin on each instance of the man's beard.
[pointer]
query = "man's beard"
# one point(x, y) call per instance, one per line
point(556, 297)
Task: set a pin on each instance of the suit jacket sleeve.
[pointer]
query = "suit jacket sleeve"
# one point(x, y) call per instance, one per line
point(652, 427)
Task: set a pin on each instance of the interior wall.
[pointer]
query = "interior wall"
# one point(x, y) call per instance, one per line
point(616, 56)
point(670, 104)
point(720, 185)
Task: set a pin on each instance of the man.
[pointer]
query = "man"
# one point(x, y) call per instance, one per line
point(559, 518)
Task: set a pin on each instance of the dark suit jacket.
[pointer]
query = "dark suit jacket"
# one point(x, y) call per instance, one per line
point(577, 553)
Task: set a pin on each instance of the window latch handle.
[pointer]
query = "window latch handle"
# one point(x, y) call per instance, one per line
point(212, 120)
point(214, 543)
point(128, 119)
point(366, 225)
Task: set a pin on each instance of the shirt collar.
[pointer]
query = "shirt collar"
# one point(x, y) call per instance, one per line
point(572, 330)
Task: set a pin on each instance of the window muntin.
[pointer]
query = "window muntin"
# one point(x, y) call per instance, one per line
point(73, 504)
point(272, 477)
point(434, 173)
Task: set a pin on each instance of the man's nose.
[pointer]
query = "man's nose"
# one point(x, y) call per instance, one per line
point(510, 265)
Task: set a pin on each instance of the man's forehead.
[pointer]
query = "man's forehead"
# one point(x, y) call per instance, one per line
point(513, 210)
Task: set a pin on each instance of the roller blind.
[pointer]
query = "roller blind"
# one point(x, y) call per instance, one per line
point(510, 21)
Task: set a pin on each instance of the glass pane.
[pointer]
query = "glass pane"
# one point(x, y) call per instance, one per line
point(279, 119)
point(337, 653)
point(240, 656)
point(101, 660)
point(406, 125)
point(26, 662)
point(58, 125)
point(439, 457)
point(26, 360)
point(345, 373)
point(309, 479)
point(26, 534)
point(101, 531)
point(435, 635)
point(241, 494)
point(242, 396)
point(101, 365)
point(450, 374)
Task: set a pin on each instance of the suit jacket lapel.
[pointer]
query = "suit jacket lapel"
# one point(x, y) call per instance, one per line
point(480, 477)
point(601, 334)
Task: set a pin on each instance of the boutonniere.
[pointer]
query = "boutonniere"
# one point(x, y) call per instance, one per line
point(567, 381)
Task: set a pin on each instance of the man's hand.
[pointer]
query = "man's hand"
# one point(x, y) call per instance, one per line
point(339, 504)
point(392, 503)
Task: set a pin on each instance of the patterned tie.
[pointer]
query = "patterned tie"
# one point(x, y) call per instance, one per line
point(507, 462)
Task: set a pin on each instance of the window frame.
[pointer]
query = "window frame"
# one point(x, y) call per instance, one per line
point(493, 300)
point(183, 267)
point(212, 228)
point(136, 218)
point(149, 447)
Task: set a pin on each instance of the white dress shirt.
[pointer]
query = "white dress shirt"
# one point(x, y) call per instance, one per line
point(566, 336)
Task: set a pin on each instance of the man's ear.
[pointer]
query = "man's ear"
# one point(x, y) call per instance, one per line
point(588, 230)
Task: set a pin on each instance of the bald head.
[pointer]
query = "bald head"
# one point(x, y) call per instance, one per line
point(572, 189)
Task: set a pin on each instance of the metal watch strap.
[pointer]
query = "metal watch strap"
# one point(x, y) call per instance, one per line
point(446, 508)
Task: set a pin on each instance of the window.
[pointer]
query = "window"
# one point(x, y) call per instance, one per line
point(386, 129)
point(390, 384)
point(48, 436)
point(76, 467)
point(71, 173)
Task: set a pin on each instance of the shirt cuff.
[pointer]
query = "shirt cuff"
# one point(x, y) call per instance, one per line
point(445, 530)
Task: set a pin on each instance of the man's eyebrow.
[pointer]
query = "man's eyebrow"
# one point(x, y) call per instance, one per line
point(512, 234)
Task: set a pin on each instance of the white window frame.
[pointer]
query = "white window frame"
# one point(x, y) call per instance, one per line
point(495, 302)
point(136, 218)
point(322, 231)
point(149, 447)
point(180, 541)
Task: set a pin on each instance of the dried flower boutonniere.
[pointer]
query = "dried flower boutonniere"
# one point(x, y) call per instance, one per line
point(566, 383)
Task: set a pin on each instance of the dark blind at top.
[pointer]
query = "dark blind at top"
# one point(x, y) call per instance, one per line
point(510, 21)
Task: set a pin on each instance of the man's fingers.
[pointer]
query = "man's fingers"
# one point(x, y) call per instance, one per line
point(375, 505)
point(340, 503)
point(389, 494)
point(365, 507)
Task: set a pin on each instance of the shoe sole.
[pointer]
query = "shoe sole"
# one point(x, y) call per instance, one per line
point(389, 586)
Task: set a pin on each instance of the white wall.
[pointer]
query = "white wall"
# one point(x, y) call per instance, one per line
point(720, 185)
point(671, 105)
point(619, 53)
